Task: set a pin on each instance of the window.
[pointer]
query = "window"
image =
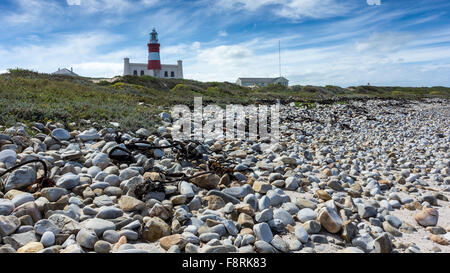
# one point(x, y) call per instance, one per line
point(142, 72)
point(172, 74)
point(135, 72)
point(166, 74)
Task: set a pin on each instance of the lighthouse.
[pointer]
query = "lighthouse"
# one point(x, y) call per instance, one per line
point(153, 67)
point(154, 60)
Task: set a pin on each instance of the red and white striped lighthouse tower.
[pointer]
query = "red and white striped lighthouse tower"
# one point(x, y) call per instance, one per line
point(154, 60)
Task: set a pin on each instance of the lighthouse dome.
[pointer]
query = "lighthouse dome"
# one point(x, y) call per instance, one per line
point(154, 37)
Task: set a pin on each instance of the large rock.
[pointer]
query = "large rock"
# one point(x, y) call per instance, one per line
point(61, 134)
point(68, 181)
point(427, 217)
point(230, 227)
point(129, 203)
point(87, 238)
point(32, 247)
point(18, 240)
point(208, 236)
point(20, 178)
point(127, 174)
point(349, 231)
point(261, 187)
point(330, 220)
point(8, 157)
point(29, 208)
point(8, 224)
point(103, 200)
point(306, 214)
point(101, 160)
point(48, 238)
point(245, 220)
point(172, 240)
point(264, 216)
point(89, 135)
point(264, 247)
point(53, 193)
point(215, 202)
point(66, 224)
point(102, 247)
point(155, 229)
point(392, 230)
point(439, 240)
point(292, 183)
point(305, 203)
point(383, 244)
point(111, 236)
point(238, 192)
point(22, 199)
point(312, 226)
point(160, 211)
point(206, 181)
point(98, 225)
point(218, 249)
point(45, 225)
point(226, 197)
point(366, 211)
point(301, 234)
point(262, 232)
point(393, 221)
point(335, 185)
point(109, 213)
point(279, 244)
point(6, 207)
point(185, 188)
point(284, 216)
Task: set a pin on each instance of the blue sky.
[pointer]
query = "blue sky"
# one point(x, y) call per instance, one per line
point(351, 42)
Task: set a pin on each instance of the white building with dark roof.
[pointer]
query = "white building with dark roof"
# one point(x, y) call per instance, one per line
point(65, 72)
point(252, 82)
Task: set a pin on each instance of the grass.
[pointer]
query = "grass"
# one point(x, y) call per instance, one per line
point(135, 102)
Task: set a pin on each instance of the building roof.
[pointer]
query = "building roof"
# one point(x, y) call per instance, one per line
point(263, 80)
point(65, 71)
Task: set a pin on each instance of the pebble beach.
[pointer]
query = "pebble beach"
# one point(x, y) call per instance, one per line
point(358, 177)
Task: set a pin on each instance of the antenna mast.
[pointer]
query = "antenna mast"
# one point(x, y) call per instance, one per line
point(279, 56)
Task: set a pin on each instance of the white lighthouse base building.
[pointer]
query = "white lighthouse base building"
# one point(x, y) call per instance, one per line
point(169, 71)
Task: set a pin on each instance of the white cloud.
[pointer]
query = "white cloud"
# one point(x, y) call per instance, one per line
point(83, 51)
point(149, 2)
point(114, 6)
point(223, 55)
point(374, 2)
point(293, 9)
point(180, 49)
point(384, 42)
point(223, 33)
point(99, 69)
point(73, 2)
point(246, 4)
point(31, 11)
point(296, 9)
point(380, 58)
